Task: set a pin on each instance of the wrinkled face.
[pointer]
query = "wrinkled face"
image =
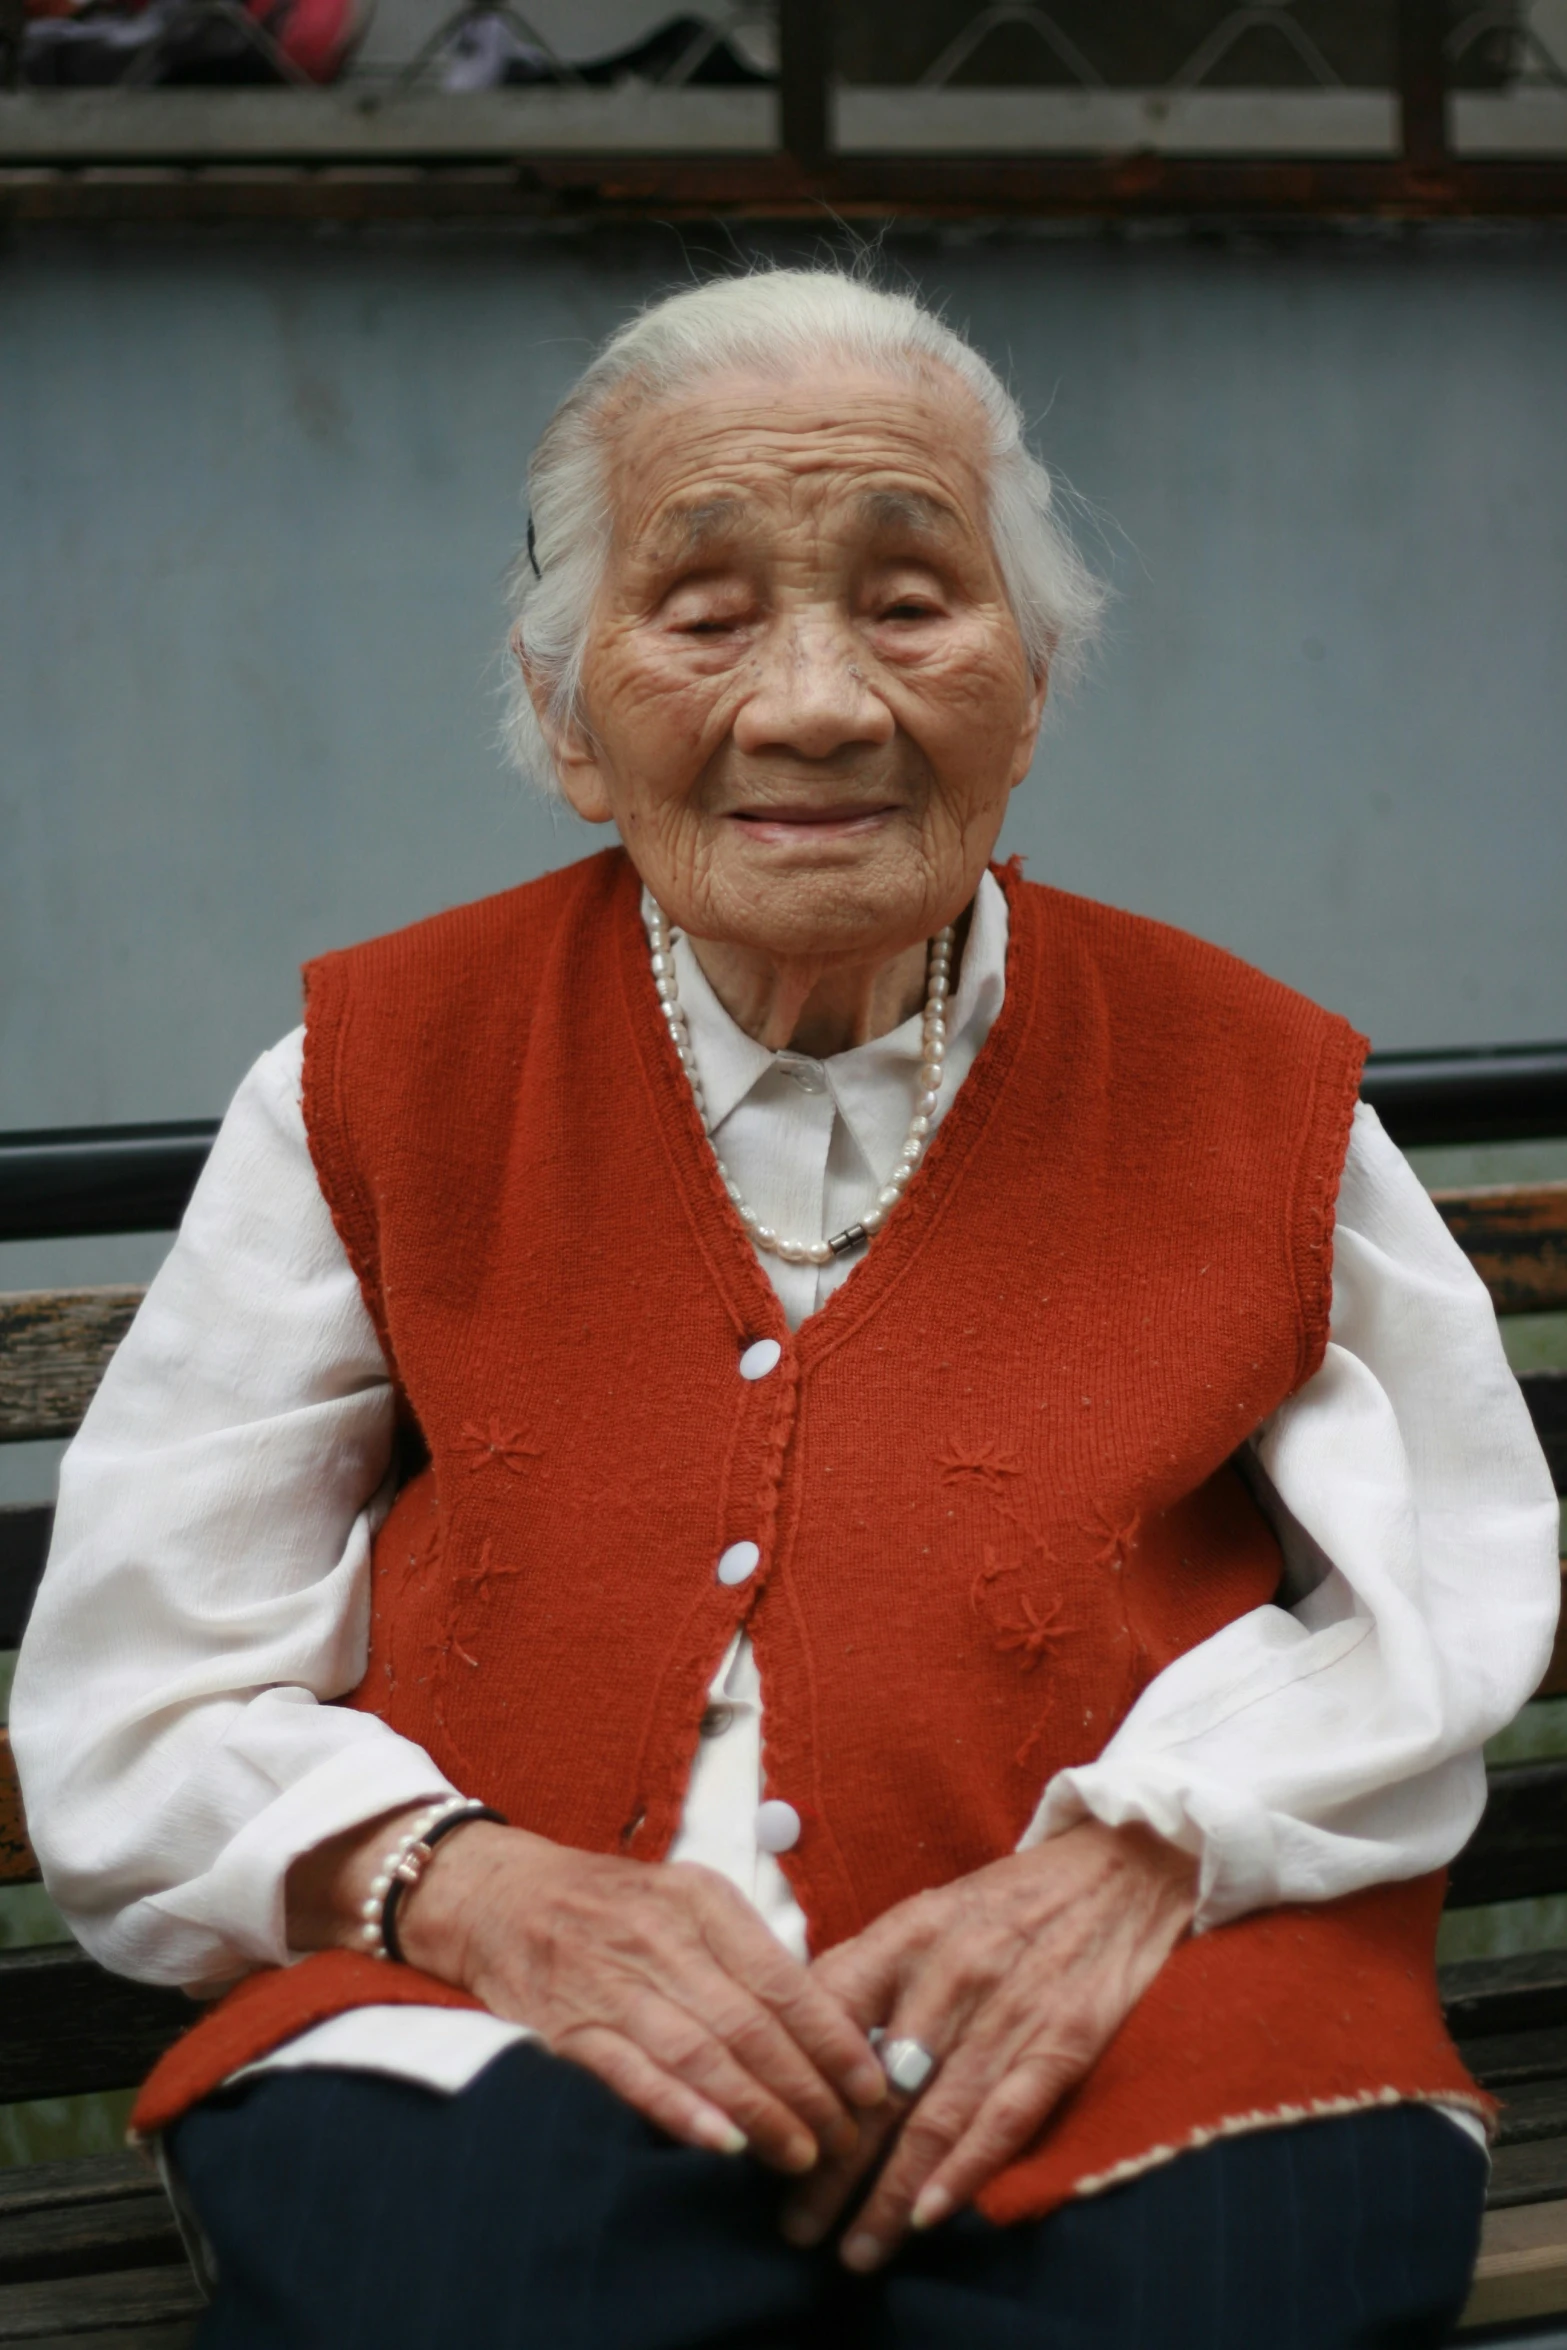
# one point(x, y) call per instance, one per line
point(806, 699)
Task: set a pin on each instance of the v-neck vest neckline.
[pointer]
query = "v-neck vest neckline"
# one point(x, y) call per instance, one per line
point(726, 1248)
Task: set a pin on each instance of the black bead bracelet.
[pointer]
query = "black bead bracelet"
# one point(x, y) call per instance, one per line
point(414, 1864)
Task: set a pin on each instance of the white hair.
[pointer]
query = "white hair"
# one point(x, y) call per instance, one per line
point(773, 321)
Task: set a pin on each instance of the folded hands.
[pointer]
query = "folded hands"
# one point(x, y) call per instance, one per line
point(664, 1982)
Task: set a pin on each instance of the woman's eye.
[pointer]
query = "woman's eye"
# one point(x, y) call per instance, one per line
point(711, 624)
point(907, 609)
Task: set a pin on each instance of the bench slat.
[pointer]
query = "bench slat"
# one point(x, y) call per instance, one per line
point(1555, 1681)
point(77, 2213)
point(80, 2310)
point(90, 2178)
point(81, 2239)
point(1522, 2269)
point(1545, 1392)
point(25, 1529)
point(55, 2001)
point(55, 1345)
point(1515, 1236)
point(102, 2217)
point(61, 1183)
point(1486, 1996)
point(177, 2334)
point(18, 1866)
point(1532, 2110)
point(1519, 1850)
point(70, 2027)
point(1521, 2273)
point(1508, 2057)
point(1531, 2173)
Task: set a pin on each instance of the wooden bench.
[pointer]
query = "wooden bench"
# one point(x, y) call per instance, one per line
point(89, 2255)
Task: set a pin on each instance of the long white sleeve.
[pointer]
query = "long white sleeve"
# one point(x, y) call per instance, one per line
point(1308, 1751)
point(208, 1586)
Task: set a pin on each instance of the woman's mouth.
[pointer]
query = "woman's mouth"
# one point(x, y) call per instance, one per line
point(810, 824)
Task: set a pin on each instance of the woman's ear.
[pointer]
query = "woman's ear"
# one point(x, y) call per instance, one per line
point(572, 752)
point(1028, 732)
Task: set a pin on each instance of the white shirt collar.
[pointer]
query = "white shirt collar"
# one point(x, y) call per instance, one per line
point(871, 1083)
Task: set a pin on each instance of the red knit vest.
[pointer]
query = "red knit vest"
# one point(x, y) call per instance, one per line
point(991, 1479)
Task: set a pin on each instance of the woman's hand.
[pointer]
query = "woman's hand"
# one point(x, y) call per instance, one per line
point(660, 1979)
point(1015, 1978)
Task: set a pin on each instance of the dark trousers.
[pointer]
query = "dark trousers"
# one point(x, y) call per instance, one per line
point(537, 2212)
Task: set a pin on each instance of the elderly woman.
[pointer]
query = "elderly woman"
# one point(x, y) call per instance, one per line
point(801, 1563)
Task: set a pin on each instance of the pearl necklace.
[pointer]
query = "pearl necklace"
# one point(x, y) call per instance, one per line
point(938, 986)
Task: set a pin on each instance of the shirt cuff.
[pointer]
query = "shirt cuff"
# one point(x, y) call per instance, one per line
point(237, 1907)
point(1229, 1837)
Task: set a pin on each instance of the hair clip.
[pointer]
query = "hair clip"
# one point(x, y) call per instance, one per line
point(532, 551)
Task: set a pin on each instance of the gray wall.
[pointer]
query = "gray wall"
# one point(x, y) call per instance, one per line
point(256, 501)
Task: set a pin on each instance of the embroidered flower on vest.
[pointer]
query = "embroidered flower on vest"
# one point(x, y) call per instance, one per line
point(982, 1463)
point(480, 1446)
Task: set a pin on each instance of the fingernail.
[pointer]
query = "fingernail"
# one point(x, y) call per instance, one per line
point(803, 2228)
point(861, 2252)
point(867, 2084)
point(800, 2154)
point(719, 2134)
point(931, 2207)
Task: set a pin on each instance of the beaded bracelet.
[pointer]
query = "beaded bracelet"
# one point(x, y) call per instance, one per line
point(405, 1864)
point(417, 1861)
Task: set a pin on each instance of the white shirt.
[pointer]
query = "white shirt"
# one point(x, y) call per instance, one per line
point(207, 1595)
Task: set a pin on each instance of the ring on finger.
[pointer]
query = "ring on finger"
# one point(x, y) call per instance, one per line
point(908, 2064)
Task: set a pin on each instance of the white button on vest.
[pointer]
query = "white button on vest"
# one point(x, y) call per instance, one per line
point(777, 1826)
point(738, 1561)
point(758, 1360)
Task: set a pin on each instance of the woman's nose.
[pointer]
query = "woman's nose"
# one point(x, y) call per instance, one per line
point(810, 694)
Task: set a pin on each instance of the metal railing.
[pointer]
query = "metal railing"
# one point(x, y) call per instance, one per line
point(1428, 129)
point(61, 1183)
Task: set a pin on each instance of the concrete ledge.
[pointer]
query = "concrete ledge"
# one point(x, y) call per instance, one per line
point(870, 121)
point(346, 125)
point(1514, 122)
